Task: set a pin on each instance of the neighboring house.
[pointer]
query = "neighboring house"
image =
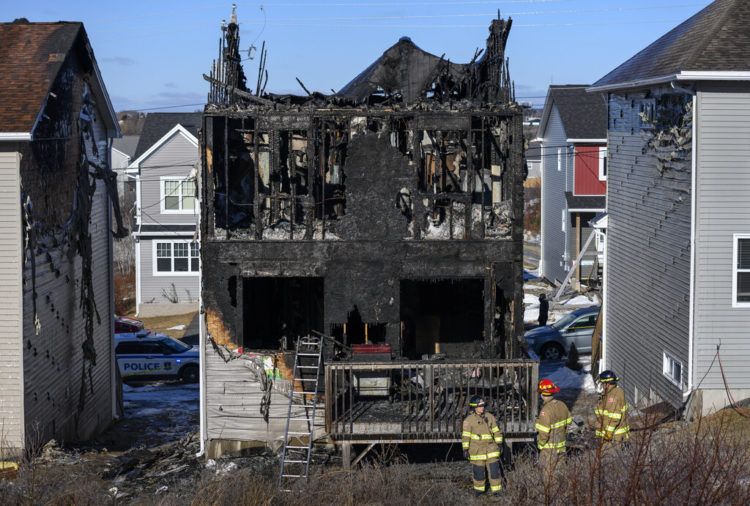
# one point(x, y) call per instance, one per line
point(165, 166)
point(123, 150)
point(534, 161)
point(574, 178)
point(56, 357)
point(677, 299)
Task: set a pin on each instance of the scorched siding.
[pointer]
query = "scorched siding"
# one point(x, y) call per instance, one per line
point(648, 267)
point(723, 209)
point(11, 351)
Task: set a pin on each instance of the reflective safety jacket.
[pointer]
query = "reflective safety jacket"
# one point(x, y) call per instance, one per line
point(612, 416)
point(481, 436)
point(552, 426)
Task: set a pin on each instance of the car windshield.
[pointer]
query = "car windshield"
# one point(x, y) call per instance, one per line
point(174, 345)
point(566, 320)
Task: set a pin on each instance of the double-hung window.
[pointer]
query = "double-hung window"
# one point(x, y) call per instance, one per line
point(672, 369)
point(602, 164)
point(175, 258)
point(177, 195)
point(741, 271)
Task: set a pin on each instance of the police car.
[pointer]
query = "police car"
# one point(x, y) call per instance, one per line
point(145, 355)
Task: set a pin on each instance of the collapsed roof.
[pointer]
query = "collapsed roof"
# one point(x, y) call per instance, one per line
point(404, 74)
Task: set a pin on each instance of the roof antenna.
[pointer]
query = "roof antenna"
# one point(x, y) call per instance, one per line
point(233, 19)
point(498, 14)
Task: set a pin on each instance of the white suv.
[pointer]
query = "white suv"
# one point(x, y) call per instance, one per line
point(144, 355)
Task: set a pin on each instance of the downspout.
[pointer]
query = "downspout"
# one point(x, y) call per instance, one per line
point(540, 266)
point(111, 263)
point(202, 406)
point(693, 224)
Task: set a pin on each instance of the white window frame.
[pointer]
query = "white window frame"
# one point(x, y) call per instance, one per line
point(559, 159)
point(172, 242)
point(735, 270)
point(603, 163)
point(162, 195)
point(668, 363)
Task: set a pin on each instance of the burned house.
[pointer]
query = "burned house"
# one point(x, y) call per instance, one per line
point(387, 213)
point(56, 191)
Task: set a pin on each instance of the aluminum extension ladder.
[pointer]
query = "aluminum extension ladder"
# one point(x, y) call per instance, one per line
point(295, 455)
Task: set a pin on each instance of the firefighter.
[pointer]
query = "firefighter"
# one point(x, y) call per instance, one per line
point(612, 411)
point(481, 439)
point(552, 427)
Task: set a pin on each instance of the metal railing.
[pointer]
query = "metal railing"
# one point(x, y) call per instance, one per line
point(421, 400)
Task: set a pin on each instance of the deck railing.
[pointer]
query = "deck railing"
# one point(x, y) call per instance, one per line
point(427, 400)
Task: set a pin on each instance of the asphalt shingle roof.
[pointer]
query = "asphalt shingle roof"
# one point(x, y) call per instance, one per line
point(126, 144)
point(158, 124)
point(715, 39)
point(31, 56)
point(584, 115)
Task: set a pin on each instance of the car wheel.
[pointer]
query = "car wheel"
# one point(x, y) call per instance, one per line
point(189, 374)
point(551, 351)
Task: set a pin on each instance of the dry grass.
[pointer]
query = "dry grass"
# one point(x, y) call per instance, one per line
point(164, 323)
point(125, 293)
point(705, 463)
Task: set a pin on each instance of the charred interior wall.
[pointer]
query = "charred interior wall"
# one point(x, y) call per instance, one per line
point(365, 200)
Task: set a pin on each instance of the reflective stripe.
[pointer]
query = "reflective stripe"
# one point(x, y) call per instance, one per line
point(622, 430)
point(550, 446)
point(481, 456)
point(613, 430)
point(499, 439)
point(487, 437)
point(495, 429)
point(493, 455)
point(478, 488)
point(625, 408)
point(541, 427)
point(562, 423)
point(465, 446)
point(496, 488)
point(466, 434)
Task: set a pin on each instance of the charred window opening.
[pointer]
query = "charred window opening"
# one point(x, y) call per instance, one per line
point(443, 165)
point(330, 179)
point(357, 331)
point(276, 311)
point(402, 137)
point(437, 315)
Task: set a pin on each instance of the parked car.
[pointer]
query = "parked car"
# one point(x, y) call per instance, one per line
point(552, 342)
point(124, 324)
point(145, 355)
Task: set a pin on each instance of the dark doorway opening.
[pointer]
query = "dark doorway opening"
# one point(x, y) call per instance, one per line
point(437, 315)
point(278, 310)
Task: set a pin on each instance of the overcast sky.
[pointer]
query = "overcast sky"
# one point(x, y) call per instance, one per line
point(152, 53)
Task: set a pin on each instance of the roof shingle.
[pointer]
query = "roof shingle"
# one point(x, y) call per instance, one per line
point(158, 124)
point(715, 39)
point(584, 115)
point(31, 56)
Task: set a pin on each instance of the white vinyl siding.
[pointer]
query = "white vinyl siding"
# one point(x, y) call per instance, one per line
point(11, 309)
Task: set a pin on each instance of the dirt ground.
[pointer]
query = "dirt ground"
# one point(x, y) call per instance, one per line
point(177, 326)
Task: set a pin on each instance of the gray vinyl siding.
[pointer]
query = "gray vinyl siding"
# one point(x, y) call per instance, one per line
point(723, 209)
point(233, 400)
point(554, 185)
point(648, 262)
point(54, 369)
point(177, 157)
point(11, 348)
point(153, 287)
